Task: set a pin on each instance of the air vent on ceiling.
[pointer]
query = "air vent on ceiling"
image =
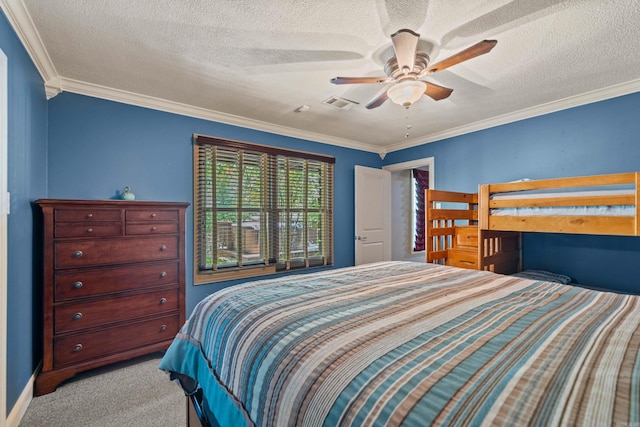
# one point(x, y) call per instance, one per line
point(339, 103)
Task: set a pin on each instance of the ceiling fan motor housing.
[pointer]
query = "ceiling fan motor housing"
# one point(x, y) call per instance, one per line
point(392, 69)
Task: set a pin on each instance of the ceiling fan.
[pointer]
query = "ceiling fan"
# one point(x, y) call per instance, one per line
point(408, 66)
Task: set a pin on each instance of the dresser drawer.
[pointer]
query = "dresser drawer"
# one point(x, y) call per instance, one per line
point(85, 346)
point(87, 214)
point(152, 228)
point(152, 215)
point(110, 251)
point(462, 258)
point(88, 230)
point(467, 237)
point(106, 280)
point(72, 317)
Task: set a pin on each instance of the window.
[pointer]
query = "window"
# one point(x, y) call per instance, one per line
point(259, 209)
point(420, 183)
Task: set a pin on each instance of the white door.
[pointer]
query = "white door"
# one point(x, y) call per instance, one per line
point(373, 215)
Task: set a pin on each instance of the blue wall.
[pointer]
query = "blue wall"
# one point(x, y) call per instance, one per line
point(598, 138)
point(27, 132)
point(79, 147)
point(97, 147)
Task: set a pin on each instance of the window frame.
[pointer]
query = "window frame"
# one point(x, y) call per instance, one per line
point(270, 263)
point(417, 198)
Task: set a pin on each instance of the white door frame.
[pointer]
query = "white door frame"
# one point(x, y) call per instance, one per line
point(419, 163)
point(4, 211)
point(427, 162)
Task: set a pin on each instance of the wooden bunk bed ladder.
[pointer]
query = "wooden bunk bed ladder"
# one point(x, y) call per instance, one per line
point(454, 238)
point(441, 221)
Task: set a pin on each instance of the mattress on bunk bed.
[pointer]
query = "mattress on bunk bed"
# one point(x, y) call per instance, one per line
point(621, 210)
point(401, 343)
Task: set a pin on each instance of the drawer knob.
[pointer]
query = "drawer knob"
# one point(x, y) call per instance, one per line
point(163, 274)
point(77, 285)
point(163, 328)
point(153, 215)
point(89, 230)
point(163, 300)
point(163, 248)
point(154, 228)
point(77, 254)
point(77, 347)
point(90, 215)
point(77, 316)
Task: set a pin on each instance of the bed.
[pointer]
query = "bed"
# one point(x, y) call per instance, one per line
point(482, 230)
point(413, 344)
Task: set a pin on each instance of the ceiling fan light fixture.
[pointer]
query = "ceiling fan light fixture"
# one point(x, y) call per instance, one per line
point(406, 93)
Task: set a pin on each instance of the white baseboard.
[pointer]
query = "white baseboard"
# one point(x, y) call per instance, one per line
point(23, 402)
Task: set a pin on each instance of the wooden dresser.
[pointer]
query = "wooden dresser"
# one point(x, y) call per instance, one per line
point(114, 283)
point(464, 251)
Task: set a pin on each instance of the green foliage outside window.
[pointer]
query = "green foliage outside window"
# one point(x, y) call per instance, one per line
point(259, 208)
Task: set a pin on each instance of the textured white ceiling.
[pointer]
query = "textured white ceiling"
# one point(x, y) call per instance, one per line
point(253, 62)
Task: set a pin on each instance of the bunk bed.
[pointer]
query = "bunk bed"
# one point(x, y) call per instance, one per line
point(598, 204)
point(496, 215)
point(411, 344)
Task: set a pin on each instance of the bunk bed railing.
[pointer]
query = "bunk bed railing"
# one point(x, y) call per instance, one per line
point(441, 222)
point(607, 224)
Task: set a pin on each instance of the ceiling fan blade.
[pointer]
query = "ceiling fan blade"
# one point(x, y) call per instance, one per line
point(437, 92)
point(378, 101)
point(405, 44)
point(352, 80)
point(477, 49)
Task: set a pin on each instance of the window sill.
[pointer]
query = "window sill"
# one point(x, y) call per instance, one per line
point(200, 278)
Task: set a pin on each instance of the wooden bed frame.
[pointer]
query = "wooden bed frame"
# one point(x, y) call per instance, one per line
point(467, 235)
point(609, 225)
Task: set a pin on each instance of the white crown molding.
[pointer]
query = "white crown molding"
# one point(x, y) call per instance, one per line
point(539, 110)
point(82, 88)
point(24, 27)
point(57, 85)
point(52, 87)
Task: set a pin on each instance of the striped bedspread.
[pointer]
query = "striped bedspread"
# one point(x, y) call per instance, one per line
point(413, 344)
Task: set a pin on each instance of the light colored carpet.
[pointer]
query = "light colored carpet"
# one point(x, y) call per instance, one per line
point(134, 393)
